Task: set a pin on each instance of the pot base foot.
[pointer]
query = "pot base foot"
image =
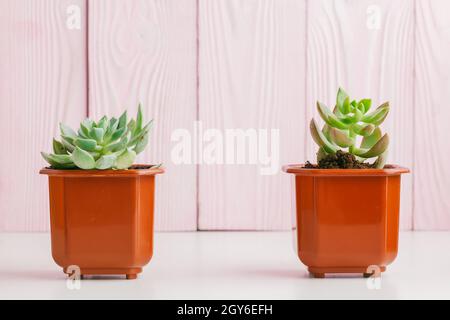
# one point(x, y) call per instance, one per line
point(130, 273)
point(319, 272)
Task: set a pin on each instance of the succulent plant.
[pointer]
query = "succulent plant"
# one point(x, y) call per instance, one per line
point(348, 121)
point(105, 144)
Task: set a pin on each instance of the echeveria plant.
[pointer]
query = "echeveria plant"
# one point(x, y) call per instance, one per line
point(105, 144)
point(349, 120)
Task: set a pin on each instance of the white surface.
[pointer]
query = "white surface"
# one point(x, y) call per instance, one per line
point(227, 265)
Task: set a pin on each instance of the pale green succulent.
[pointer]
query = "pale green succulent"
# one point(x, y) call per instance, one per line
point(349, 120)
point(106, 144)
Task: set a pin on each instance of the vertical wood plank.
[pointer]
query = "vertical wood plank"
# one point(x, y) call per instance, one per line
point(346, 48)
point(42, 82)
point(431, 135)
point(251, 77)
point(145, 51)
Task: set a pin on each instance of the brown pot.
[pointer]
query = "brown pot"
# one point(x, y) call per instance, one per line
point(102, 220)
point(347, 219)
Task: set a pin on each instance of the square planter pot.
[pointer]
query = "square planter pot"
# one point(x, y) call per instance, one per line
point(347, 220)
point(102, 220)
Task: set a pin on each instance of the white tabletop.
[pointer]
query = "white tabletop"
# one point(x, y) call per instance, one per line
point(226, 265)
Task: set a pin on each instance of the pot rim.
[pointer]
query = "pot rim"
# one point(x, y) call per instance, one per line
point(299, 170)
point(80, 173)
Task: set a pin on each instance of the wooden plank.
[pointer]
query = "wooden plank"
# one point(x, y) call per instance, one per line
point(251, 68)
point(42, 82)
point(432, 143)
point(145, 51)
point(367, 47)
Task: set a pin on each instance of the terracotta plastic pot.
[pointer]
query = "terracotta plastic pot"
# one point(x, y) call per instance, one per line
point(347, 220)
point(102, 221)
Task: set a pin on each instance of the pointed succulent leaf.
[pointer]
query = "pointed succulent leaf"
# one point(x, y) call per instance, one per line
point(86, 144)
point(340, 138)
point(138, 126)
point(103, 123)
point(377, 115)
point(125, 160)
point(67, 131)
point(83, 159)
point(58, 147)
point(381, 160)
point(118, 134)
point(123, 120)
point(341, 96)
point(105, 162)
point(97, 134)
point(367, 103)
point(379, 147)
point(141, 144)
point(320, 139)
point(329, 117)
point(363, 129)
point(54, 164)
point(67, 143)
point(369, 141)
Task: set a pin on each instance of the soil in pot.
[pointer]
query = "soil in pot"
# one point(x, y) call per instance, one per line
point(339, 160)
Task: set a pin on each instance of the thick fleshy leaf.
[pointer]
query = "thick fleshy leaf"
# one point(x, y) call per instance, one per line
point(123, 120)
point(103, 123)
point(364, 130)
point(97, 134)
point(83, 159)
point(141, 144)
point(346, 107)
point(86, 144)
point(58, 147)
point(381, 160)
point(138, 126)
point(105, 162)
point(367, 104)
point(341, 138)
point(67, 142)
point(50, 158)
point(376, 116)
point(379, 147)
point(125, 160)
point(329, 117)
point(369, 141)
point(67, 131)
point(320, 139)
point(341, 96)
point(118, 133)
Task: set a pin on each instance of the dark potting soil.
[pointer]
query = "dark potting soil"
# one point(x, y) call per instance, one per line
point(339, 160)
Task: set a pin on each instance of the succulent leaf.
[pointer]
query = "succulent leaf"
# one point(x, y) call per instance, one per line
point(340, 138)
point(86, 144)
point(329, 117)
point(320, 139)
point(367, 103)
point(377, 116)
point(105, 162)
point(370, 140)
point(58, 147)
point(379, 147)
point(67, 131)
point(125, 160)
point(83, 159)
point(340, 98)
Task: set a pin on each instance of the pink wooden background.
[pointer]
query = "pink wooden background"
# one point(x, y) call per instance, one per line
point(231, 64)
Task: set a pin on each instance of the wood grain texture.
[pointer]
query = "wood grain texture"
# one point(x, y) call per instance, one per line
point(345, 48)
point(251, 77)
point(42, 82)
point(431, 135)
point(145, 51)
